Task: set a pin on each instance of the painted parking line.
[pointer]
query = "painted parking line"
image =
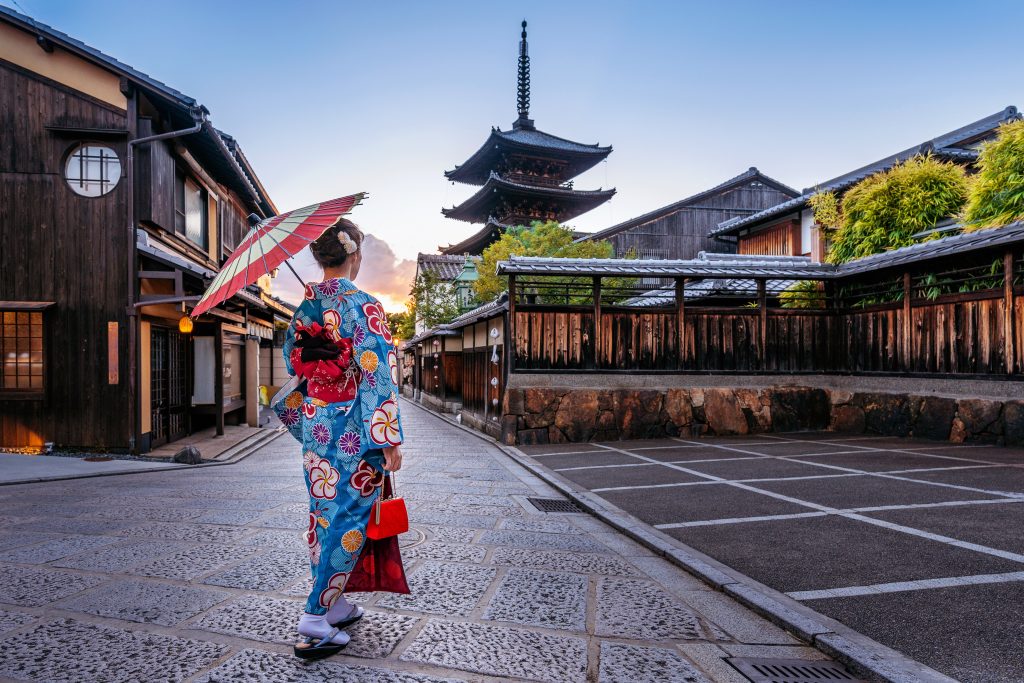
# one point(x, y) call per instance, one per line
point(903, 586)
point(799, 515)
point(692, 462)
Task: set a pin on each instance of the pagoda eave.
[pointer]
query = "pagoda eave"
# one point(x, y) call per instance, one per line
point(571, 202)
point(477, 242)
point(577, 157)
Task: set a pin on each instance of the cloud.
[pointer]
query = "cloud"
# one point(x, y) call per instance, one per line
point(382, 274)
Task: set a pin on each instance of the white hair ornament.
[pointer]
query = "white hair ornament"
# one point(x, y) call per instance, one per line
point(347, 243)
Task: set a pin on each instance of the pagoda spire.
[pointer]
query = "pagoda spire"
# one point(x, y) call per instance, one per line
point(524, 120)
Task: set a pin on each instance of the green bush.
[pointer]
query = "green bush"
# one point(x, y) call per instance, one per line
point(885, 210)
point(825, 206)
point(997, 192)
point(803, 294)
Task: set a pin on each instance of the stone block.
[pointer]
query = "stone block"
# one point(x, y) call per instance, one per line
point(56, 549)
point(13, 620)
point(847, 418)
point(679, 408)
point(887, 414)
point(1013, 423)
point(515, 402)
point(934, 418)
point(642, 610)
point(583, 563)
point(271, 667)
point(532, 437)
point(639, 664)
point(443, 588)
point(796, 408)
point(541, 598)
point(979, 416)
point(149, 602)
point(268, 572)
point(540, 406)
point(577, 413)
point(542, 541)
point(189, 455)
point(723, 412)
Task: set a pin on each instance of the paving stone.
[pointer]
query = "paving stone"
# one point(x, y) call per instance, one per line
point(451, 534)
point(275, 538)
point(642, 610)
point(500, 651)
point(146, 601)
point(272, 571)
point(17, 539)
point(620, 662)
point(193, 562)
point(301, 588)
point(12, 620)
point(377, 633)
point(117, 558)
point(197, 533)
point(270, 667)
point(459, 508)
point(56, 549)
point(73, 652)
point(548, 526)
point(477, 499)
point(455, 552)
point(283, 520)
point(543, 541)
point(537, 598)
point(669, 575)
point(583, 563)
point(80, 525)
point(440, 588)
point(450, 519)
point(157, 511)
point(711, 659)
point(236, 517)
point(744, 625)
point(258, 617)
point(37, 586)
point(424, 495)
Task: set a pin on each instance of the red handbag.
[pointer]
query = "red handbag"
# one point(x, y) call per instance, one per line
point(388, 516)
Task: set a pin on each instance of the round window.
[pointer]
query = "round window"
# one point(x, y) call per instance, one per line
point(92, 170)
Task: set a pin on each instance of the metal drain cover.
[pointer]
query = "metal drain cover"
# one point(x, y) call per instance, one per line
point(763, 670)
point(554, 505)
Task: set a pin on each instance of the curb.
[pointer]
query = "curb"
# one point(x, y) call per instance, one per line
point(238, 453)
point(863, 655)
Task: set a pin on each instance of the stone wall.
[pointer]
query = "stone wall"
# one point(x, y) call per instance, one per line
point(559, 415)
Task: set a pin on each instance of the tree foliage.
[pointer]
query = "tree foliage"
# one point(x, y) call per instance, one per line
point(403, 323)
point(432, 301)
point(885, 210)
point(997, 192)
point(825, 206)
point(803, 294)
point(540, 239)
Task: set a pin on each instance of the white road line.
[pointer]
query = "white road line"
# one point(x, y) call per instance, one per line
point(902, 586)
point(798, 515)
point(681, 462)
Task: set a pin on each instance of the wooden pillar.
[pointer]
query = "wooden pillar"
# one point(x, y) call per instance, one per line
point(907, 347)
point(1009, 350)
point(680, 321)
point(218, 376)
point(443, 385)
point(510, 328)
point(598, 346)
point(762, 305)
point(252, 381)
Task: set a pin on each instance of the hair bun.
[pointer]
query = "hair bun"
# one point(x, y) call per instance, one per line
point(347, 243)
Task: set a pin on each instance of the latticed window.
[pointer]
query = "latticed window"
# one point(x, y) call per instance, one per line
point(21, 350)
point(92, 170)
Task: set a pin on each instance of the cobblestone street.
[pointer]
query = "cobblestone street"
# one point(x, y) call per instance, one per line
point(200, 575)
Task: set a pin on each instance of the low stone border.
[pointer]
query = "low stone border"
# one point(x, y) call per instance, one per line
point(863, 655)
point(241, 450)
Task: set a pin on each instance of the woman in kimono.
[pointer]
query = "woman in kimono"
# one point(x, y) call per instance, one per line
point(346, 417)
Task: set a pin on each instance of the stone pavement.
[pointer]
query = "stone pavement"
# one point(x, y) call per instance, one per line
point(200, 575)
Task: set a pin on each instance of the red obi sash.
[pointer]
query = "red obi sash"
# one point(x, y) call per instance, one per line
point(324, 359)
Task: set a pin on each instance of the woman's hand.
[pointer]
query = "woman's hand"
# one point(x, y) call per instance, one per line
point(392, 458)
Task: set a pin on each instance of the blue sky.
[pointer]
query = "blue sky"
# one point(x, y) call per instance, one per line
point(329, 98)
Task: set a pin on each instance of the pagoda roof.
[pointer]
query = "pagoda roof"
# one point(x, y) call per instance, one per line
point(575, 202)
point(478, 241)
point(530, 141)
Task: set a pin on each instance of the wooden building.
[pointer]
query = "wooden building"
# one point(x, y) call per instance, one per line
point(787, 228)
point(524, 175)
point(119, 201)
point(682, 229)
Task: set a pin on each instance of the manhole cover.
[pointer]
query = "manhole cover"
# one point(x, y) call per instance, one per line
point(411, 537)
point(554, 505)
point(763, 670)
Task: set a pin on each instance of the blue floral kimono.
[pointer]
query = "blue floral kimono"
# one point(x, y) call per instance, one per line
point(342, 441)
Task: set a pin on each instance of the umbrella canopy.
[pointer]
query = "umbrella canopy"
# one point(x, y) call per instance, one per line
point(271, 242)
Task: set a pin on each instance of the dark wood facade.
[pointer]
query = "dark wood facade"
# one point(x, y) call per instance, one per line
point(113, 274)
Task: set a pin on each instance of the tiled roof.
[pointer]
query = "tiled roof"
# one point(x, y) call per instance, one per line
point(537, 138)
point(704, 289)
point(441, 266)
point(747, 176)
point(944, 145)
point(580, 157)
point(575, 202)
point(483, 311)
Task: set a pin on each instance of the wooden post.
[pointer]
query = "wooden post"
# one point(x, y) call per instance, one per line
point(440, 373)
point(762, 305)
point(510, 328)
point(1008, 329)
point(218, 379)
point(907, 347)
point(597, 321)
point(252, 381)
point(680, 321)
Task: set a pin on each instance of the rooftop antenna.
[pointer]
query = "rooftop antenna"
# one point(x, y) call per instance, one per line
point(524, 84)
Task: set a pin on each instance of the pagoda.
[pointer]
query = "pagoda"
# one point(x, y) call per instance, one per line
point(524, 175)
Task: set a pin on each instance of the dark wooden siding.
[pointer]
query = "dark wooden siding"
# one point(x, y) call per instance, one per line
point(58, 246)
point(452, 374)
point(781, 239)
point(683, 233)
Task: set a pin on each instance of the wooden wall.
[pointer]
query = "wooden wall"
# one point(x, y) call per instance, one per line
point(58, 246)
point(683, 233)
point(782, 239)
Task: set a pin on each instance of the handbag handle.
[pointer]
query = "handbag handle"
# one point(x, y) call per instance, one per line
point(380, 497)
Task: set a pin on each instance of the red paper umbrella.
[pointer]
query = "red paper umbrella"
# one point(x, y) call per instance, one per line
point(271, 242)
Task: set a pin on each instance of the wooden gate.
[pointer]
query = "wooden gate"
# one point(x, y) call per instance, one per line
point(169, 385)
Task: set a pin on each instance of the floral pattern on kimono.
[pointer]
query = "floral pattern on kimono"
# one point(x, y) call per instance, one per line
point(342, 460)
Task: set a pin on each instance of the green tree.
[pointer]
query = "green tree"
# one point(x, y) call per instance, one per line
point(997, 192)
point(403, 323)
point(884, 211)
point(540, 239)
point(432, 301)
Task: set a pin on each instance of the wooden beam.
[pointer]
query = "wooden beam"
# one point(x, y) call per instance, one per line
point(680, 321)
point(218, 377)
point(762, 305)
point(597, 322)
point(1008, 329)
point(907, 328)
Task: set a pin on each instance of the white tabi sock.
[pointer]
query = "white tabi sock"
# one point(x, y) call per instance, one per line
point(316, 626)
point(342, 609)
